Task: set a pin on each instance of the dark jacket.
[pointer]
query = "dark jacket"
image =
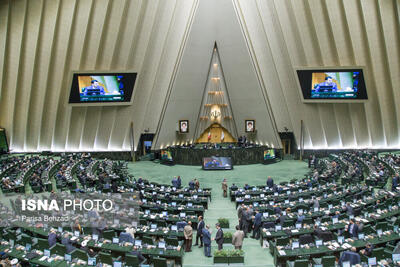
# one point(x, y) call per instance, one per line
point(200, 227)
point(206, 237)
point(52, 239)
point(257, 219)
point(68, 244)
point(219, 237)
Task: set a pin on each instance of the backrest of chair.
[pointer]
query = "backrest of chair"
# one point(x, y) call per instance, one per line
point(131, 260)
point(105, 258)
point(147, 240)
point(42, 244)
point(378, 253)
point(172, 241)
point(301, 263)
point(282, 241)
point(79, 254)
point(160, 262)
point(328, 261)
point(110, 234)
point(59, 249)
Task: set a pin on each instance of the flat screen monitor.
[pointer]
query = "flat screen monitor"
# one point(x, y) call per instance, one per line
point(340, 239)
point(117, 264)
point(329, 84)
point(372, 261)
point(174, 228)
point(153, 226)
point(396, 257)
point(115, 240)
point(95, 237)
point(102, 88)
point(217, 163)
point(182, 214)
point(295, 244)
point(161, 244)
point(166, 156)
point(346, 264)
point(269, 154)
point(92, 261)
point(138, 242)
point(28, 247)
point(46, 252)
point(67, 257)
point(318, 243)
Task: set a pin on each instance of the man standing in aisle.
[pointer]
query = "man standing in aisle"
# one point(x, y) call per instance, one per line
point(207, 241)
point(237, 238)
point(257, 225)
point(225, 187)
point(219, 237)
point(188, 233)
point(199, 234)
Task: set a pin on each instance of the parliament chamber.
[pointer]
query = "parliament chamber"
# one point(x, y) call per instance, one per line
point(199, 133)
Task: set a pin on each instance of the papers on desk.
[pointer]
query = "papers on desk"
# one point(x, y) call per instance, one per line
point(295, 231)
point(43, 258)
point(282, 253)
point(74, 238)
point(346, 246)
point(268, 233)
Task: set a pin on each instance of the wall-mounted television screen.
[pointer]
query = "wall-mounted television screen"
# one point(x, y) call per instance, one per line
point(217, 163)
point(269, 154)
point(102, 88)
point(332, 84)
point(166, 155)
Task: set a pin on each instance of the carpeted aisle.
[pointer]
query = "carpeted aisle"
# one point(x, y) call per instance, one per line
point(255, 174)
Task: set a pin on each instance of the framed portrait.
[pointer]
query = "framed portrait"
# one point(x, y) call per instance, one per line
point(250, 126)
point(183, 126)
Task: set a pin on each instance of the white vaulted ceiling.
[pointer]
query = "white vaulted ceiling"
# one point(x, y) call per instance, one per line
point(168, 41)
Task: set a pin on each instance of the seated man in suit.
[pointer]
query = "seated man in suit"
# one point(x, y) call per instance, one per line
point(368, 250)
point(67, 243)
point(352, 256)
point(52, 238)
point(137, 253)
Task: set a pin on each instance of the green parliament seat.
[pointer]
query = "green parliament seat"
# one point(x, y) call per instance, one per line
point(58, 249)
point(382, 225)
point(109, 234)
point(172, 241)
point(282, 241)
point(147, 240)
point(105, 258)
point(326, 261)
point(378, 253)
point(41, 244)
point(132, 261)
point(161, 262)
point(297, 263)
point(79, 254)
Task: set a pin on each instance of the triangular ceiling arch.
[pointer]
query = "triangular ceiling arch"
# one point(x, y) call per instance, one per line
point(216, 21)
point(215, 106)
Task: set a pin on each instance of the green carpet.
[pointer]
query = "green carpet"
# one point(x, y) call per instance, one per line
point(255, 174)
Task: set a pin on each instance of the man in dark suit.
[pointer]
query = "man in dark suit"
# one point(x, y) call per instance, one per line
point(207, 241)
point(257, 225)
point(219, 237)
point(270, 182)
point(137, 253)
point(395, 182)
point(352, 229)
point(67, 243)
point(349, 209)
point(52, 238)
point(200, 226)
